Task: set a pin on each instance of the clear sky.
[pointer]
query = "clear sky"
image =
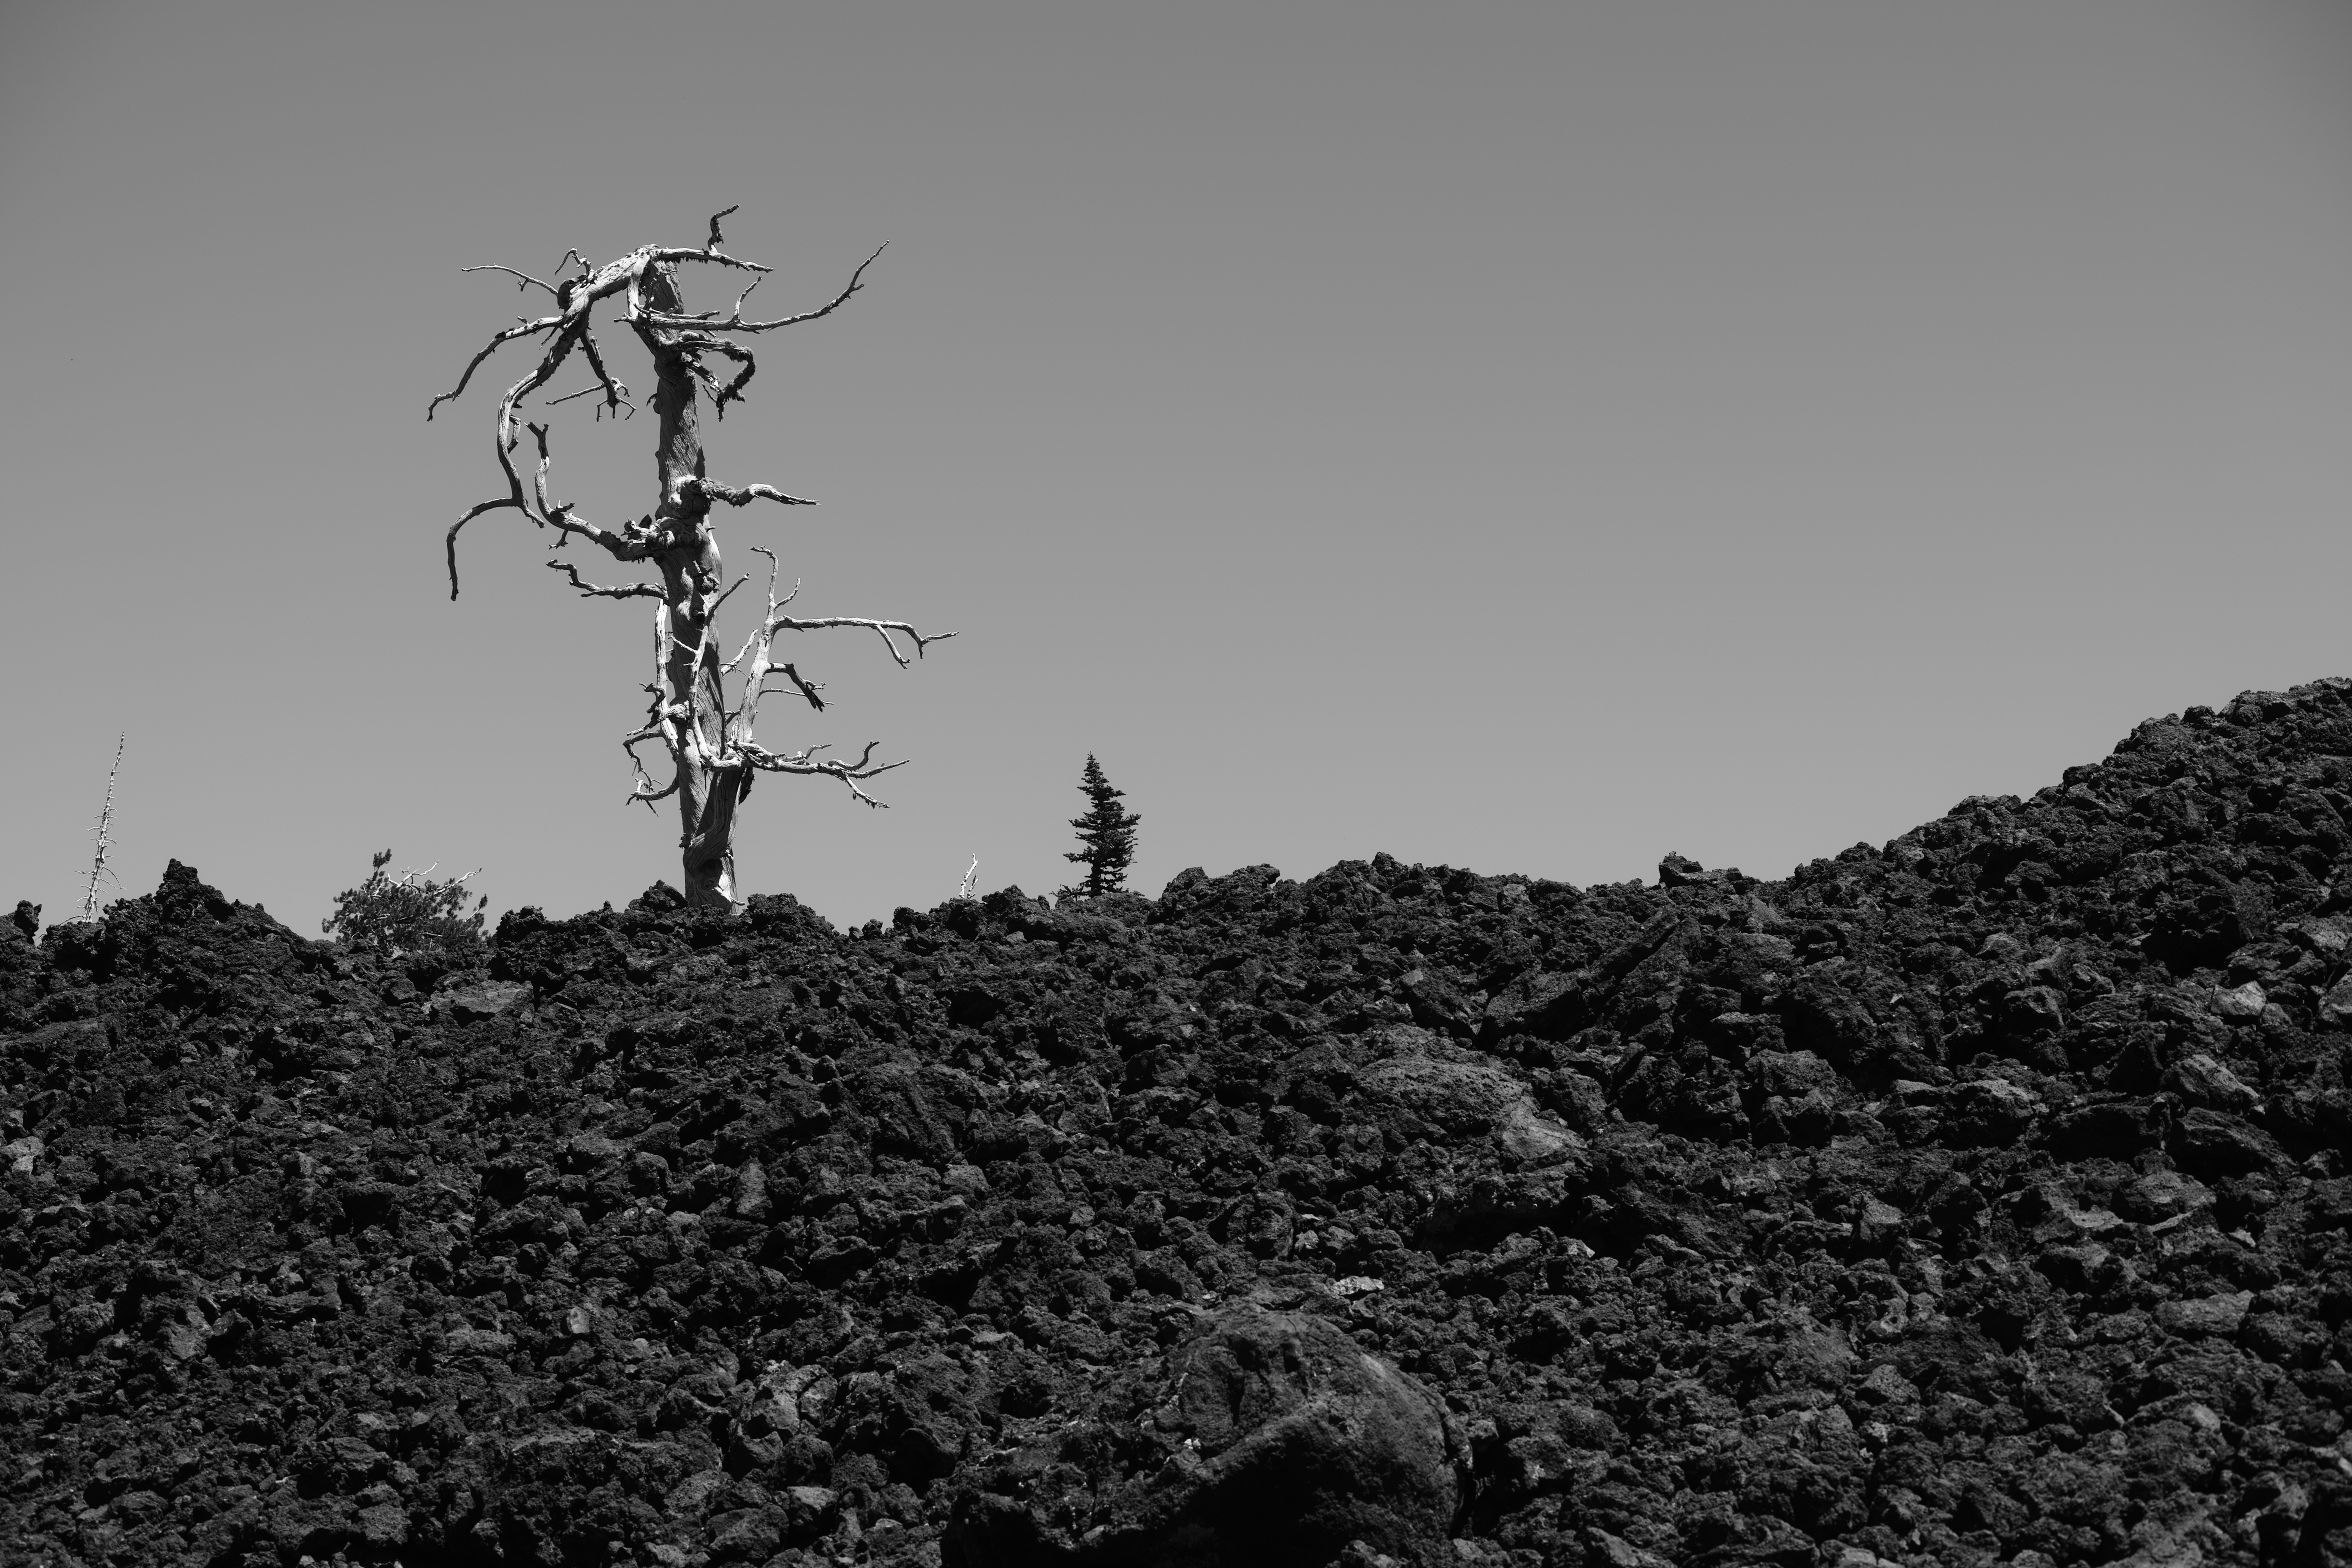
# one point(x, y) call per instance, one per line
point(1529, 437)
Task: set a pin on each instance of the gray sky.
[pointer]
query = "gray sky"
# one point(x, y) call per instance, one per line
point(1533, 438)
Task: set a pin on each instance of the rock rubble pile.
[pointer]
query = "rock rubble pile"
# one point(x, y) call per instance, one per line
point(1978, 1198)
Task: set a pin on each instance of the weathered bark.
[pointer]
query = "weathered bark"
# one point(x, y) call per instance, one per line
point(713, 751)
point(708, 785)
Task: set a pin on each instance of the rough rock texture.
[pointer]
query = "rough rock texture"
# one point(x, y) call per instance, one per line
point(1294, 1443)
point(1982, 1197)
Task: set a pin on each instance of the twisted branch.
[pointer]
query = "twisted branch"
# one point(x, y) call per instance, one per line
point(593, 591)
point(720, 396)
point(527, 280)
point(592, 391)
point(806, 761)
point(744, 652)
point(743, 494)
point(881, 629)
point(475, 511)
point(614, 393)
point(807, 689)
point(759, 648)
point(644, 789)
point(656, 727)
point(735, 321)
point(712, 613)
point(669, 255)
point(524, 331)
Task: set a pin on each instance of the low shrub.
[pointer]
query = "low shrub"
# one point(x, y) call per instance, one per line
point(396, 916)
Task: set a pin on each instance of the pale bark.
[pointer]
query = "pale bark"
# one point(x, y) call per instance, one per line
point(105, 832)
point(708, 783)
point(712, 749)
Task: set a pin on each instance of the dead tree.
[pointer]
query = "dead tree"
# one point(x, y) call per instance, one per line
point(105, 832)
point(713, 749)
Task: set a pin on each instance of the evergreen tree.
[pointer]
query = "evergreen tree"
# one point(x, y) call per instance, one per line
point(1105, 833)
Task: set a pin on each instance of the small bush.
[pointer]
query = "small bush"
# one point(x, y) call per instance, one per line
point(410, 913)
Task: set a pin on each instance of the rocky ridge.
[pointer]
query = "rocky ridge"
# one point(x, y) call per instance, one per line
point(1977, 1198)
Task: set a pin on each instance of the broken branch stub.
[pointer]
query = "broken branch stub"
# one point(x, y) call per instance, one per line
point(713, 749)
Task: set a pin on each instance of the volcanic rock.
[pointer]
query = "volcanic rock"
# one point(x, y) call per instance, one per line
point(1982, 1196)
point(1279, 1440)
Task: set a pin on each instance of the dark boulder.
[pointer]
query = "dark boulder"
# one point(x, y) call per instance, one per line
point(1278, 1441)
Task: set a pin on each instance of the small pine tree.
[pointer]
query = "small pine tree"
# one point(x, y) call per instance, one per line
point(1107, 834)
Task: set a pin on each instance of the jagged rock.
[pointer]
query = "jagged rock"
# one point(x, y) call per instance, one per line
point(2215, 1315)
point(1459, 1095)
point(2161, 1195)
point(2198, 1079)
point(1980, 1196)
point(1280, 1441)
point(472, 1004)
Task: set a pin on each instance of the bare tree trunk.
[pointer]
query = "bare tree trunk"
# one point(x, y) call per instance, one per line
point(708, 786)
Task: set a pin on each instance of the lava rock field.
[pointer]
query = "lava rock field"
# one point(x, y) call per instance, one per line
point(1982, 1197)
